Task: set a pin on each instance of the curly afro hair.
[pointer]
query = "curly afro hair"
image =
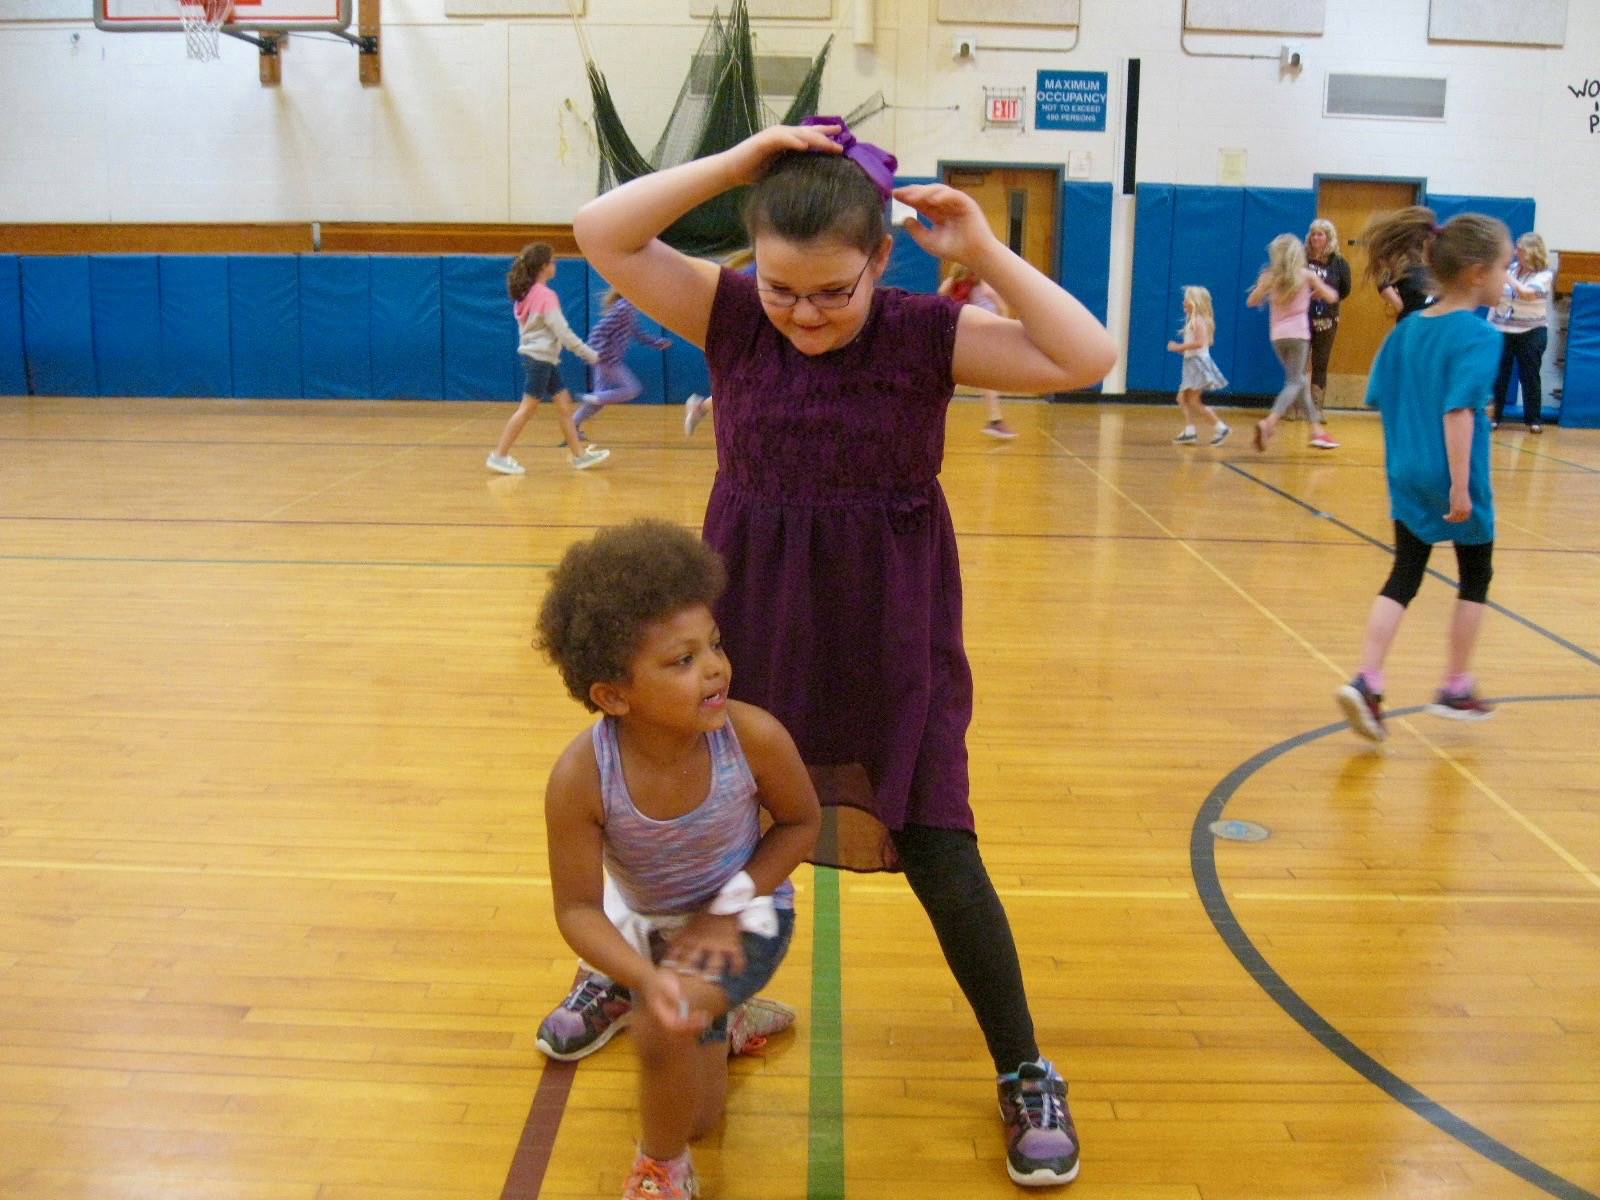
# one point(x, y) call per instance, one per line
point(607, 589)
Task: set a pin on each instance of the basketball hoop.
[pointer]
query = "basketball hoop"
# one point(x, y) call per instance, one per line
point(202, 26)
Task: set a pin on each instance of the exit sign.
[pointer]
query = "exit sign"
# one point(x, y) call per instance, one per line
point(1005, 110)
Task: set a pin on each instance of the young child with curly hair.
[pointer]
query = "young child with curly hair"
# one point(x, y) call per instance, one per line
point(664, 795)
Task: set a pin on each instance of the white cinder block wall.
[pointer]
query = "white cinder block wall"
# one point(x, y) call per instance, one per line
point(490, 119)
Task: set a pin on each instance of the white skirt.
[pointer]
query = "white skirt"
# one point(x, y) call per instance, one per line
point(1200, 374)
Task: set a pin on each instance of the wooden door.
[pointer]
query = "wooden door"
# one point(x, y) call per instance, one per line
point(1020, 203)
point(1364, 319)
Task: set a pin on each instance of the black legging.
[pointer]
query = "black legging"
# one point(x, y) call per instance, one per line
point(1525, 352)
point(947, 875)
point(1474, 566)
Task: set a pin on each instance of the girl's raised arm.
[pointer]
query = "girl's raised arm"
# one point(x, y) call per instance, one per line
point(619, 231)
point(1054, 344)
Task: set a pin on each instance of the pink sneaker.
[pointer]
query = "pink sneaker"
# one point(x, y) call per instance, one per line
point(655, 1180)
point(1324, 443)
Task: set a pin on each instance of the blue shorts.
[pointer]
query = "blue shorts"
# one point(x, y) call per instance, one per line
point(761, 958)
point(541, 380)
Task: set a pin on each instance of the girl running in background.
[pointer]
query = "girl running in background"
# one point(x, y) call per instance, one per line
point(961, 284)
point(1287, 285)
point(1200, 374)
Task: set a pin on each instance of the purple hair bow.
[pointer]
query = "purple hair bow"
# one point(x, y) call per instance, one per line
point(877, 162)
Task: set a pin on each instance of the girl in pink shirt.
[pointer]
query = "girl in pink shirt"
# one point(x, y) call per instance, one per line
point(1286, 284)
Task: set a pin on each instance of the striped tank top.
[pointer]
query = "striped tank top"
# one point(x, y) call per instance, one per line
point(678, 866)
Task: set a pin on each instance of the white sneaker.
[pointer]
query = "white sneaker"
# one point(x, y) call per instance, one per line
point(694, 411)
point(592, 456)
point(503, 463)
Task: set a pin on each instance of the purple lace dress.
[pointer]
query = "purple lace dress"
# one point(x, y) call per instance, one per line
point(843, 611)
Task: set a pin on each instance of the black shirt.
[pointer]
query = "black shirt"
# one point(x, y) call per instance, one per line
point(1336, 274)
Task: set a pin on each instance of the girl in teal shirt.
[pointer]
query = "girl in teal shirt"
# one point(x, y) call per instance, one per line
point(1432, 382)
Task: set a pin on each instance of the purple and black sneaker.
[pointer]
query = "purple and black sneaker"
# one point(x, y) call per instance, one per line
point(1041, 1140)
point(594, 1012)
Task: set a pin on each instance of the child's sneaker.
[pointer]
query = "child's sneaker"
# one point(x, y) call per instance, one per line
point(593, 456)
point(1186, 438)
point(594, 1012)
point(1460, 706)
point(1363, 708)
point(503, 463)
point(1221, 435)
point(694, 411)
point(655, 1180)
point(750, 1024)
point(1324, 442)
point(999, 429)
point(1041, 1140)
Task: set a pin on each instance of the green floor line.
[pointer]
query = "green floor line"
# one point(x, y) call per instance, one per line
point(825, 1160)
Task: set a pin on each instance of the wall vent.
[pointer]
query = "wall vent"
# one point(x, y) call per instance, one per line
point(1387, 97)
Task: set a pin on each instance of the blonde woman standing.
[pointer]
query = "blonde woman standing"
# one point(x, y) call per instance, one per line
point(1522, 315)
point(1327, 264)
point(1286, 285)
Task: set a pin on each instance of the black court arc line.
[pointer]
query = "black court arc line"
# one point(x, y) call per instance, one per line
point(1203, 867)
point(1564, 643)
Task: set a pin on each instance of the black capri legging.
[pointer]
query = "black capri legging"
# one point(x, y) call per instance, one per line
point(1322, 354)
point(1474, 564)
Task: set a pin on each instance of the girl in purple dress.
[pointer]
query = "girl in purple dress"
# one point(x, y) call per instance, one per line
point(844, 601)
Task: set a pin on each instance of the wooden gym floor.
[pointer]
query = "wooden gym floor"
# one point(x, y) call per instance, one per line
point(273, 741)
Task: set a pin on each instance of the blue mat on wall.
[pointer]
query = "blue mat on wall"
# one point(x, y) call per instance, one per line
point(57, 326)
point(335, 326)
point(1516, 211)
point(407, 320)
point(196, 328)
point(1580, 397)
point(125, 292)
point(1253, 368)
point(1150, 324)
point(13, 371)
point(264, 325)
point(480, 333)
point(1085, 251)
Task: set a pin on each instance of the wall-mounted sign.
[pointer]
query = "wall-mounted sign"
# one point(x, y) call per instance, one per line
point(1005, 110)
point(1070, 100)
point(1003, 107)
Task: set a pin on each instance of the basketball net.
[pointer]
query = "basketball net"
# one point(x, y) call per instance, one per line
point(202, 26)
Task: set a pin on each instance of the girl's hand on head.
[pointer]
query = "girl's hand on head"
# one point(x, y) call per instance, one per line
point(751, 156)
point(707, 946)
point(960, 230)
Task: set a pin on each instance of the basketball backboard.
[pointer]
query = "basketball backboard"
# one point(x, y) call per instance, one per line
point(249, 16)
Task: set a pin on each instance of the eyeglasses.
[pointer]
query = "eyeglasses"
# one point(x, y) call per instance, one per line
point(828, 299)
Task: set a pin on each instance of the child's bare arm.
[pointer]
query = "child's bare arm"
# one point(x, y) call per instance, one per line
point(619, 231)
point(573, 813)
point(1053, 344)
point(1458, 429)
point(786, 793)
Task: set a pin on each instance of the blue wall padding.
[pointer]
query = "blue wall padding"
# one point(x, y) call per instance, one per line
point(1251, 365)
point(264, 323)
point(1206, 225)
point(1150, 325)
point(335, 326)
point(13, 372)
point(125, 300)
point(407, 328)
point(196, 331)
point(910, 266)
point(480, 332)
point(57, 329)
point(1580, 398)
point(648, 363)
point(1085, 255)
point(686, 370)
point(1217, 238)
point(571, 286)
point(1516, 211)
